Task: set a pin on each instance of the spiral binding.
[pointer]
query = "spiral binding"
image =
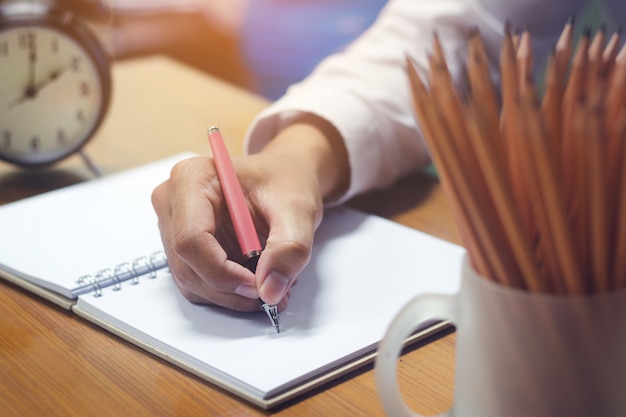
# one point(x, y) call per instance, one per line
point(126, 271)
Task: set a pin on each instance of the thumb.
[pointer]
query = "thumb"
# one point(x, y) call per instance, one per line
point(287, 251)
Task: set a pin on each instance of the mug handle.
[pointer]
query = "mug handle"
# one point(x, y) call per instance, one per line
point(419, 309)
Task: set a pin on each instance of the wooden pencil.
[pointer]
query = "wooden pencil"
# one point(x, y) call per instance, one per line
point(483, 116)
point(551, 110)
point(554, 79)
point(618, 260)
point(611, 50)
point(536, 183)
point(476, 211)
point(451, 108)
point(573, 87)
point(509, 129)
point(616, 94)
point(597, 222)
point(481, 86)
point(572, 149)
point(440, 153)
point(524, 59)
point(551, 201)
point(615, 120)
point(563, 49)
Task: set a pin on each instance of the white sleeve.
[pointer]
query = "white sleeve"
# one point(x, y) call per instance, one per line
point(363, 91)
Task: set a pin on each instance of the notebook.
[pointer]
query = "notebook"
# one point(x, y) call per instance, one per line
point(95, 248)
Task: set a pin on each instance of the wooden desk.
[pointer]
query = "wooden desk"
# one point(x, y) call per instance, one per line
point(54, 363)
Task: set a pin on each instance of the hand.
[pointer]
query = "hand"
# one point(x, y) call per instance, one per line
point(284, 185)
point(202, 250)
point(52, 76)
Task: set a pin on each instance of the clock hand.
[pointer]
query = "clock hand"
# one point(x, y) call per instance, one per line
point(19, 100)
point(32, 61)
point(34, 89)
point(30, 91)
point(53, 76)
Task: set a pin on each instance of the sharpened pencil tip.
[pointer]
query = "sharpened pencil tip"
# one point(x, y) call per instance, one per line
point(572, 19)
point(507, 27)
point(473, 31)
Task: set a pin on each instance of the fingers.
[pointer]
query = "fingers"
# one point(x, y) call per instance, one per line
point(202, 250)
point(189, 206)
point(288, 248)
point(206, 272)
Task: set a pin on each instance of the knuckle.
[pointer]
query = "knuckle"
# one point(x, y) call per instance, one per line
point(185, 242)
point(182, 167)
point(307, 203)
point(156, 197)
point(308, 206)
point(299, 252)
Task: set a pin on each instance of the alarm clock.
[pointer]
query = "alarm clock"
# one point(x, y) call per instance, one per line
point(55, 83)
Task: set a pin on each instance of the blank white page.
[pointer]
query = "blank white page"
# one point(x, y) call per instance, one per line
point(53, 239)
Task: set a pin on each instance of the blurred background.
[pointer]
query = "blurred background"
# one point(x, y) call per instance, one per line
point(262, 45)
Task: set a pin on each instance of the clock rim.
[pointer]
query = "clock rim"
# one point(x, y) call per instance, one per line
point(67, 23)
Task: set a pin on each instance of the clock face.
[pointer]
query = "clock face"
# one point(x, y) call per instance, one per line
point(52, 93)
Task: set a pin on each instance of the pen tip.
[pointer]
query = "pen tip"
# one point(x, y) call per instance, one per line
point(213, 129)
point(272, 313)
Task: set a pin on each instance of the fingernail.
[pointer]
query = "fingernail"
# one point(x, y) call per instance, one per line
point(248, 291)
point(274, 287)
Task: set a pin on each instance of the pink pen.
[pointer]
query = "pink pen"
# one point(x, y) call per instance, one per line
point(238, 210)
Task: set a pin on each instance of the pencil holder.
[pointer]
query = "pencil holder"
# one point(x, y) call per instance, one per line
point(519, 353)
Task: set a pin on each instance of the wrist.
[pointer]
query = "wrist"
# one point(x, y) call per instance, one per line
point(315, 145)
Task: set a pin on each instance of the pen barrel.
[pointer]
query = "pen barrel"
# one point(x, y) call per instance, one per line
point(233, 194)
point(252, 259)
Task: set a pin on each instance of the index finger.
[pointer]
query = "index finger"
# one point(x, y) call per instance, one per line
point(196, 211)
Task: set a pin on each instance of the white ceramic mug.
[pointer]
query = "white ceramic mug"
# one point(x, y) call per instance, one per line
point(519, 354)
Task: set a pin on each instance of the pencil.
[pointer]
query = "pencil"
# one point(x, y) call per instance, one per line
point(471, 224)
point(611, 50)
point(526, 135)
point(619, 192)
point(616, 93)
point(551, 110)
point(596, 211)
point(524, 58)
point(536, 183)
point(563, 49)
point(572, 150)
point(511, 128)
point(487, 143)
